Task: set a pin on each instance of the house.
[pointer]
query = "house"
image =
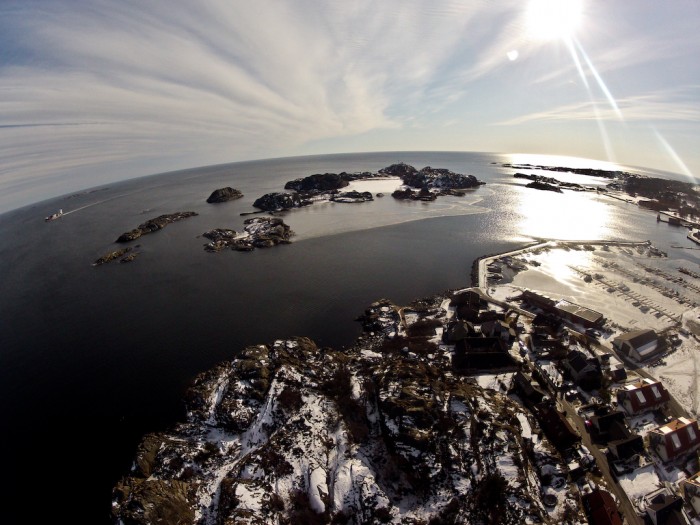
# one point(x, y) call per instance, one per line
point(626, 448)
point(528, 389)
point(538, 300)
point(470, 298)
point(618, 374)
point(580, 315)
point(555, 426)
point(584, 370)
point(458, 330)
point(548, 374)
point(676, 438)
point(609, 426)
point(637, 345)
point(498, 329)
point(481, 353)
point(642, 396)
point(690, 488)
point(600, 508)
point(664, 508)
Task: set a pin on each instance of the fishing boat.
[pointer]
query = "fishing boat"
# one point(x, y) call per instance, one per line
point(694, 235)
point(54, 216)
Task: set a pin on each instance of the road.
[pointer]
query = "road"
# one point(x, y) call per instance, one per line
point(625, 506)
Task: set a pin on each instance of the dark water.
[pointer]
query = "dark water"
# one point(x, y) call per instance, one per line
point(93, 358)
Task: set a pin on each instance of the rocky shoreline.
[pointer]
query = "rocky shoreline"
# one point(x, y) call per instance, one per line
point(386, 431)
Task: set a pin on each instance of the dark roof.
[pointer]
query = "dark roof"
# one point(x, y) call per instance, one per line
point(601, 508)
point(619, 374)
point(626, 448)
point(664, 505)
point(604, 422)
point(637, 338)
point(458, 330)
point(556, 426)
point(577, 360)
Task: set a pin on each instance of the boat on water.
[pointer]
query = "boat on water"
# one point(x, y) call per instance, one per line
point(54, 216)
point(694, 235)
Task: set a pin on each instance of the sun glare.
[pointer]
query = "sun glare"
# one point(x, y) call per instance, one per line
point(553, 19)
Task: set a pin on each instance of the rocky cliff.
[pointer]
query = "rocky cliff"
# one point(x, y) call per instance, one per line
point(382, 432)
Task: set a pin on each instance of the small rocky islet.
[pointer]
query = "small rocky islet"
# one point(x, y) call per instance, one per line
point(258, 232)
point(224, 195)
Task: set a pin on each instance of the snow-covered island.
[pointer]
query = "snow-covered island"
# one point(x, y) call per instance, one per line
point(561, 387)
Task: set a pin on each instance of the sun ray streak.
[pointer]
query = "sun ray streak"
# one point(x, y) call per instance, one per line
point(577, 62)
point(672, 153)
point(607, 144)
point(599, 80)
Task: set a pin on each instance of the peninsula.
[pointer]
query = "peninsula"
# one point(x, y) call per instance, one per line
point(507, 399)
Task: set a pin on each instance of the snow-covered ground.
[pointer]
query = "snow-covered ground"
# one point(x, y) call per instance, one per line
point(634, 287)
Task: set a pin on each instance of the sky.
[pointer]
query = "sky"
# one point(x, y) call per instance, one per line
point(97, 91)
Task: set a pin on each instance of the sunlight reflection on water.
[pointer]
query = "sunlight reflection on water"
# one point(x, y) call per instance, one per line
point(568, 215)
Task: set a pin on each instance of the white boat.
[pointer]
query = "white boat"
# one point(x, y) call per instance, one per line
point(694, 235)
point(54, 216)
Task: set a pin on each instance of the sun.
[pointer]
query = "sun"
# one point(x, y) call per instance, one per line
point(553, 19)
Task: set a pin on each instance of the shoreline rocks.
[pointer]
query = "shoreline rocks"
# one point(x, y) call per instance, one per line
point(538, 185)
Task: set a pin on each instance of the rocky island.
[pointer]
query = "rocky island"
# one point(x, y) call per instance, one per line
point(547, 183)
point(224, 195)
point(260, 232)
point(155, 224)
point(280, 201)
point(426, 184)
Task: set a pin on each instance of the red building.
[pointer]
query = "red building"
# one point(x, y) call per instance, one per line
point(675, 439)
point(642, 396)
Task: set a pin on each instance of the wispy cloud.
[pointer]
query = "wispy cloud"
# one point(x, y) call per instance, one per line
point(652, 107)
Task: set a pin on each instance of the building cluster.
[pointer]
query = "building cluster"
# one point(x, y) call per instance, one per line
point(572, 387)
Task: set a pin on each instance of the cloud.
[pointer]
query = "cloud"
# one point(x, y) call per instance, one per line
point(96, 91)
point(678, 106)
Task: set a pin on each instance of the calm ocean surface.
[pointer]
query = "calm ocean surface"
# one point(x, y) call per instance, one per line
point(92, 358)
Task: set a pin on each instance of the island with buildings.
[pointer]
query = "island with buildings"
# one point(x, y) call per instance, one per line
point(560, 388)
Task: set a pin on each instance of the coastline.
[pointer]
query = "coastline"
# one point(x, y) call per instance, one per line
point(479, 272)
